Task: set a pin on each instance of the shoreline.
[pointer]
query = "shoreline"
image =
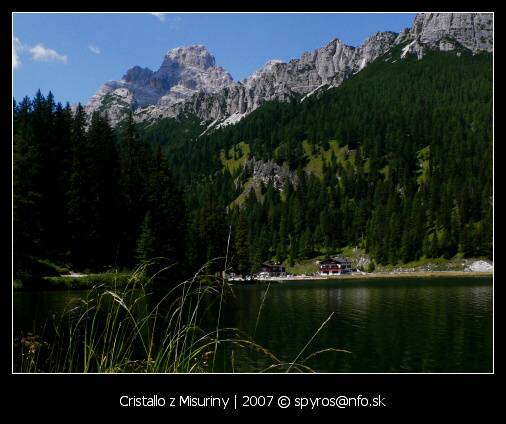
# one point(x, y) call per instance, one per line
point(368, 276)
point(72, 282)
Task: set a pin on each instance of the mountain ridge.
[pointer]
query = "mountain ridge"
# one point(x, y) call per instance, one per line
point(189, 82)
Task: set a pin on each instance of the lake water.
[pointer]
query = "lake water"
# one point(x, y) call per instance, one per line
point(401, 325)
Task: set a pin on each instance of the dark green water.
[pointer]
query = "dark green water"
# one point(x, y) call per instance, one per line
point(408, 325)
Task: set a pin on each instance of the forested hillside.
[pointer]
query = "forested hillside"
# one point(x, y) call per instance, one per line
point(397, 160)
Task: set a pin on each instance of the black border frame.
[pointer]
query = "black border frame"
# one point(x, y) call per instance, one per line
point(71, 396)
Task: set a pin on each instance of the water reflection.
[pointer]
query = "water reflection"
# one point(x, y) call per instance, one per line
point(401, 326)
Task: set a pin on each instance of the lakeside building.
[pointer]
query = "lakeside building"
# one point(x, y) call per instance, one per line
point(335, 266)
point(270, 269)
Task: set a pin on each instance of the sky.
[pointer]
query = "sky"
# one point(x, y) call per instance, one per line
point(73, 54)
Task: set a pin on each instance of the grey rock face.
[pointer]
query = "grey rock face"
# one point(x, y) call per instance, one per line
point(270, 172)
point(188, 70)
point(446, 31)
point(277, 80)
point(184, 72)
point(138, 75)
point(472, 30)
point(189, 82)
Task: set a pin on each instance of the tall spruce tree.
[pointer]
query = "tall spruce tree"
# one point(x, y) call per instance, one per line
point(167, 212)
point(135, 167)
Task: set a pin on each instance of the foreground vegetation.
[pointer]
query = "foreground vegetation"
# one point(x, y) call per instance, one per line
point(120, 329)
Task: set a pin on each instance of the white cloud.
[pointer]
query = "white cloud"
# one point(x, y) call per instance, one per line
point(159, 15)
point(173, 21)
point(17, 46)
point(94, 49)
point(41, 53)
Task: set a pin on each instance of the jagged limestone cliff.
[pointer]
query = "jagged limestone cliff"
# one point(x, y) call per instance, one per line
point(189, 82)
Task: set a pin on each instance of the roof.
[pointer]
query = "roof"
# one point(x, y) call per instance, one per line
point(336, 259)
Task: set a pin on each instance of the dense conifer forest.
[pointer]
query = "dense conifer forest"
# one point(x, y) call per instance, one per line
point(397, 161)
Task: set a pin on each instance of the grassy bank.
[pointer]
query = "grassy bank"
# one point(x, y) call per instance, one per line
point(106, 280)
point(44, 274)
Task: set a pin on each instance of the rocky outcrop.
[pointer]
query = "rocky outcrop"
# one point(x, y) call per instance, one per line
point(329, 65)
point(189, 82)
point(448, 31)
point(270, 172)
point(479, 266)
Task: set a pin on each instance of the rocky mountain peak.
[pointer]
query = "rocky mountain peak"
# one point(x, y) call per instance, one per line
point(138, 74)
point(268, 68)
point(383, 39)
point(196, 56)
point(270, 64)
point(472, 30)
point(183, 72)
point(188, 70)
point(447, 31)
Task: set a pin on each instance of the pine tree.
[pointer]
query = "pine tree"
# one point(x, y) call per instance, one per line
point(241, 245)
point(145, 242)
point(167, 211)
point(26, 194)
point(103, 204)
point(77, 194)
point(135, 162)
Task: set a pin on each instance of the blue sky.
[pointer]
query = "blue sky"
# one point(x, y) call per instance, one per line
point(74, 54)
